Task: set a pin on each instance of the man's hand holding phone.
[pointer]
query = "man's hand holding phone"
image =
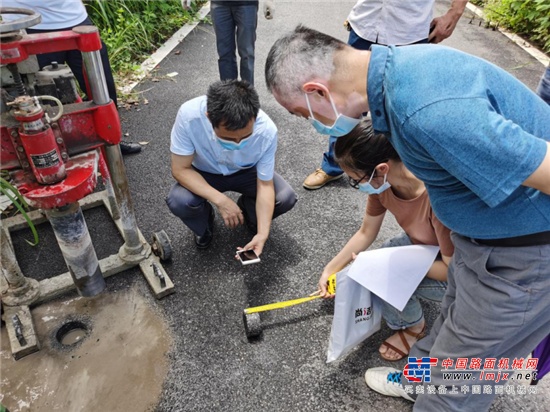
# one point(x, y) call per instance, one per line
point(255, 246)
point(247, 257)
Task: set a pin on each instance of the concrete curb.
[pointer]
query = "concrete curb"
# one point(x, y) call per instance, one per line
point(524, 44)
point(148, 65)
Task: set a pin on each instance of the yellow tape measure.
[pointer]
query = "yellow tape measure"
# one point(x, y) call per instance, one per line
point(331, 284)
point(331, 288)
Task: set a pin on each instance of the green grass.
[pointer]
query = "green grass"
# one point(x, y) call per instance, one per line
point(7, 189)
point(133, 29)
point(529, 18)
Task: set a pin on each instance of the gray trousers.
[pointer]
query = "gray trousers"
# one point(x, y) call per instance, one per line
point(194, 210)
point(496, 306)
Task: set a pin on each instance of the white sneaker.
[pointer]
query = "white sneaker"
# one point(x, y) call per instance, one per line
point(386, 381)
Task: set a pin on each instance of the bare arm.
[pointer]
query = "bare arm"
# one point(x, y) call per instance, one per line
point(265, 203)
point(189, 178)
point(359, 242)
point(438, 270)
point(540, 179)
point(443, 26)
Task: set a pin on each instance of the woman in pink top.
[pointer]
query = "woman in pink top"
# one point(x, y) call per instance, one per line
point(374, 167)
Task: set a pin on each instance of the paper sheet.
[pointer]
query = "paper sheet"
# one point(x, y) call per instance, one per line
point(393, 273)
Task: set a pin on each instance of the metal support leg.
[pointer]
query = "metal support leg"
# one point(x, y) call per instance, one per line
point(133, 244)
point(76, 246)
point(108, 186)
point(94, 70)
point(16, 288)
point(133, 249)
point(17, 293)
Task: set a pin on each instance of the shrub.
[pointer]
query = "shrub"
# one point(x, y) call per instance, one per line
point(132, 29)
point(530, 18)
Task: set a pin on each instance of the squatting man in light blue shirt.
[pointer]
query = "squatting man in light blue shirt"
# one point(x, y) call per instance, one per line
point(480, 141)
point(223, 142)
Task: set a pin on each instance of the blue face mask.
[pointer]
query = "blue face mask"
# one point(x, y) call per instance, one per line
point(342, 125)
point(369, 189)
point(229, 145)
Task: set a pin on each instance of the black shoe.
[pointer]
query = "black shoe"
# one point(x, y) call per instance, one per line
point(252, 227)
point(129, 148)
point(204, 241)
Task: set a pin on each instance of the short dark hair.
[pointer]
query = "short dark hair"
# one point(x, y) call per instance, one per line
point(232, 104)
point(361, 150)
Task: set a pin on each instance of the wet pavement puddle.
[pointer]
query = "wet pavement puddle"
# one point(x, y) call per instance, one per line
point(104, 353)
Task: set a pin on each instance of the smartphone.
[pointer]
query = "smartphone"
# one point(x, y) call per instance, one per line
point(247, 257)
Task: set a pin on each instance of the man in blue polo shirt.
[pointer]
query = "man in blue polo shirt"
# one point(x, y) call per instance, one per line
point(479, 139)
point(386, 22)
point(223, 142)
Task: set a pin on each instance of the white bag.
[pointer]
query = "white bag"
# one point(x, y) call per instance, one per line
point(356, 317)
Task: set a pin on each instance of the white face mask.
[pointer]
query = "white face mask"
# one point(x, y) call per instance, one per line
point(342, 125)
point(369, 189)
point(229, 145)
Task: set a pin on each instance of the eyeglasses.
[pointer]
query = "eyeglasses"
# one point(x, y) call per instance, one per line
point(355, 183)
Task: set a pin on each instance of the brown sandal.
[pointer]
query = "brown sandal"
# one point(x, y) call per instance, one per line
point(401, 333)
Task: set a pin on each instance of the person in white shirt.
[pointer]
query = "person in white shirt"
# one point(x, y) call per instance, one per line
point(223, 142)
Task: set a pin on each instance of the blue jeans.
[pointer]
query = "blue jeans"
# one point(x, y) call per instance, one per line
point(194, 210)
point(329, 165)
point(543, 90)
point(429, 289)
point(235, 28)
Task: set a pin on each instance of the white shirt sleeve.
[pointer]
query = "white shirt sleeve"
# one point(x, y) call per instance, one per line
point(181, 142)
point(265, 167)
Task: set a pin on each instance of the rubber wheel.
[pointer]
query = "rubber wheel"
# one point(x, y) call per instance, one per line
point(161, 246)
point(252, 324)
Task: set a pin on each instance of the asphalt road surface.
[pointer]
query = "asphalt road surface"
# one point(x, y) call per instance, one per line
point(212, 366)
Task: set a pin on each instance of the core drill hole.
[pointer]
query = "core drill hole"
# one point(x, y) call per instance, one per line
point(71, 333)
